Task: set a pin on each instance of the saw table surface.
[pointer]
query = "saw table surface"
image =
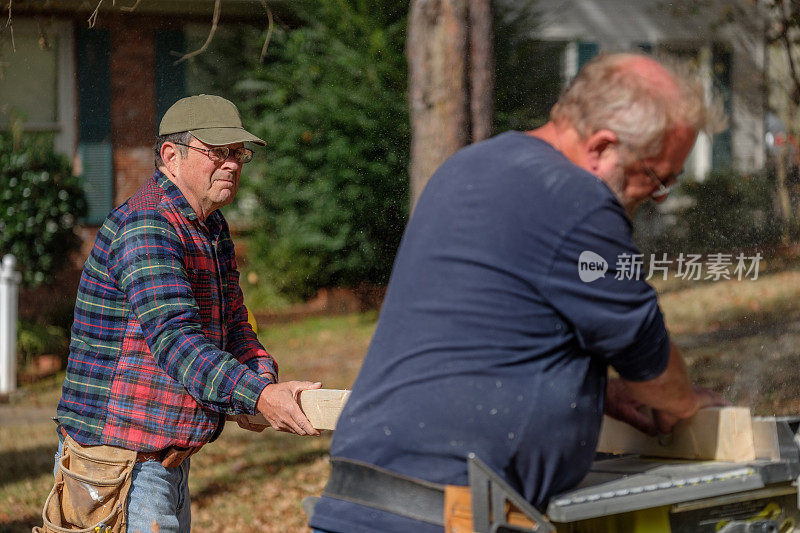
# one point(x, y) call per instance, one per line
point(630, 483)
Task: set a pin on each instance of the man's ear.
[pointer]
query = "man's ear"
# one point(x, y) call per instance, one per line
point(170, 156)
point(602, 150)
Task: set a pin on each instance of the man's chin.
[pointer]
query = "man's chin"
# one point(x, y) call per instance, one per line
point(224, 196)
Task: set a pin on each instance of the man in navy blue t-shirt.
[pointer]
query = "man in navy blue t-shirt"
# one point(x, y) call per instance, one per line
point(503, 311)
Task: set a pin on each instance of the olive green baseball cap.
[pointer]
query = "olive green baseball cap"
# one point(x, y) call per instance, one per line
point(211, 119)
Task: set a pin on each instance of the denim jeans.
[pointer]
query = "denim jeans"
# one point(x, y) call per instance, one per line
point(158, 495)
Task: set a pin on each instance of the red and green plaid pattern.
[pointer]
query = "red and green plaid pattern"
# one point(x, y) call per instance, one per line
point(161, 346)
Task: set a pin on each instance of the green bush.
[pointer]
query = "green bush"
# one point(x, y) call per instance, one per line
point(37, 339)
point(726, 211)
point(331, 188)
point(40, 202)
point(528, 73)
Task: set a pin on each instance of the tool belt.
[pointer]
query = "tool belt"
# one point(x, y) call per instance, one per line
point(169, 457)
point(449, 506)
point(90, 493)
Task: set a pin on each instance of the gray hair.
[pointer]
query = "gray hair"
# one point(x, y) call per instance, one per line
point(182, 137)
point(607, 95)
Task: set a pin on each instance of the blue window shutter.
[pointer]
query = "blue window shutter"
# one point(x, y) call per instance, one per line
point(97, 167)
point(721, 146)
point(170, 78)
point(94, 82)
point(586, 51)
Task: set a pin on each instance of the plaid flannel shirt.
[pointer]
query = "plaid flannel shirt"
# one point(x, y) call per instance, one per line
point(161, 348)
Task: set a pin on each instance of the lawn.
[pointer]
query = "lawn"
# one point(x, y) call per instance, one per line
point(244, 480)
point(739, 337)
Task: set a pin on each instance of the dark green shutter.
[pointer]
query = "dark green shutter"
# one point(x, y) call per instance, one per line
point(721, 149)
point(170, 78)
point(586, 51)
point(94, 87)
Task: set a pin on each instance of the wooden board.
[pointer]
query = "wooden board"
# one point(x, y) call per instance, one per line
point(715, 433)
point(765, 438)
point(321, 406)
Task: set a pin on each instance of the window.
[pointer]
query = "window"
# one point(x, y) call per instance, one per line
point(37, 76)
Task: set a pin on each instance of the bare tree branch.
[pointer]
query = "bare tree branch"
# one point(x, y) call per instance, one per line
point(269, 32)
point(214, 22)
point(93, 16)
point(11, 28)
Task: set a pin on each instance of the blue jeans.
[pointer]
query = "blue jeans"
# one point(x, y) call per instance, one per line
point(158, 495)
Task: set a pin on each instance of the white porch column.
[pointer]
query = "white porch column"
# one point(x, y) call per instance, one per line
point(9, 300)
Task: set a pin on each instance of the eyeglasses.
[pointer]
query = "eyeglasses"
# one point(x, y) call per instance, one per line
point(663, 189)
point(221, 153)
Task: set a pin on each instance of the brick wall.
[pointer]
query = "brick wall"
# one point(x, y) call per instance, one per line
point(133, 102)
point(131, 167)
point(133, 117)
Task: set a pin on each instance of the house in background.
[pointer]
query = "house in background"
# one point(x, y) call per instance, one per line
point(102, 91)
point(730, 58)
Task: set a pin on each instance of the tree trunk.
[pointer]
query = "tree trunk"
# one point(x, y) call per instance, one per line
point(481, 55)
point(437, 76)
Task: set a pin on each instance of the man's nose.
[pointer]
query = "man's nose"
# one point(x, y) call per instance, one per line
point(231, 163)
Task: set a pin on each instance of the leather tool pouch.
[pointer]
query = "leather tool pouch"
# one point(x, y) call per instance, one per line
point(91, 490)
point(458, 512)
point(457, 509)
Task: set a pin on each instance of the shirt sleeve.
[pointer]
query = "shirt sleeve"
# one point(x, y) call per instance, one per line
point(146, 260)
point(614, 312)
point(242, 341)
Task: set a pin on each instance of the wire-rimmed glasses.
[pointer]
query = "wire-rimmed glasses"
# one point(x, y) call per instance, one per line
point(221, 153)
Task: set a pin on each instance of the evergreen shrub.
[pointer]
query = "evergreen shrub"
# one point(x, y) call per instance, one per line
point(40, 204)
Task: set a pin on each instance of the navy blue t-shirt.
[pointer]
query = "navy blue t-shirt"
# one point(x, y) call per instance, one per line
point(489, 341)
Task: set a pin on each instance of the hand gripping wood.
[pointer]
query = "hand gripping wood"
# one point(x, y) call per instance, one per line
point(714, 433)
point(322, 407)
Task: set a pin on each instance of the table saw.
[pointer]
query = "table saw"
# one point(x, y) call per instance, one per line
point(637, 494)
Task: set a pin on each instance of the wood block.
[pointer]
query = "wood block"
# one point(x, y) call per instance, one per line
point(714, 433)
point(321, 406)
point(765, 438)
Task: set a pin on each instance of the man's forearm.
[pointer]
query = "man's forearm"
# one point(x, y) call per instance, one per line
point(671, 392)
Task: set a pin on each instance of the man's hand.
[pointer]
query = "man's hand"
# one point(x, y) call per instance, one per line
point(279, 403)
point(704, 397)
point(671, 395)
point(621, 404)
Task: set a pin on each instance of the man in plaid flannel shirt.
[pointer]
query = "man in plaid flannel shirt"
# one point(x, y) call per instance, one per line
point(161, 348)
